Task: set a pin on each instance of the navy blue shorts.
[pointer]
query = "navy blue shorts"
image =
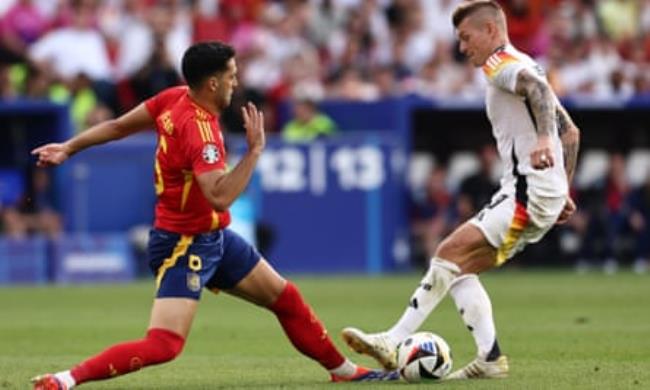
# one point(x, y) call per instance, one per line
point(184, 265)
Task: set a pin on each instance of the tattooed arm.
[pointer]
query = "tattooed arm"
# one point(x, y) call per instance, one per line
point(570, 136)
point(541, 101)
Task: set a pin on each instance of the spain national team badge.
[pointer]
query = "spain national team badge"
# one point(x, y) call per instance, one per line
point(193, 281)
point(210, 153)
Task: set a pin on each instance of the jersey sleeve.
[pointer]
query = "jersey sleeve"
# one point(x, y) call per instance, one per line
point(502, 68)
point(158, 102)
point(153, 105)
point(201, 149)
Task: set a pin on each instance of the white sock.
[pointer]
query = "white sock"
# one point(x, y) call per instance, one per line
point(432, 289)
point(346, 369)
point(475, 308)
point(66, 378)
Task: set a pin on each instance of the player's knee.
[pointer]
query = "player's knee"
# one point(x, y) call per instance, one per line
point(168, 344)
point(288, 300)
point(448, 249)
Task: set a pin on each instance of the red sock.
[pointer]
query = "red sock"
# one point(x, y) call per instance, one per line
point(157, 347)
point(304, 329)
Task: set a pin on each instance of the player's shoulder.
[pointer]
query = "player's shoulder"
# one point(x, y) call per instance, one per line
point(507, 55)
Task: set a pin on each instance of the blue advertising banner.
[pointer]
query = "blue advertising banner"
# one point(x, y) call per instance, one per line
point(92, 258)
point(23, 260)
point(335, 205)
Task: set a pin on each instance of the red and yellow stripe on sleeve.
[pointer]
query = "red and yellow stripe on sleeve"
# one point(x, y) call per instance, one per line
point(496, 62)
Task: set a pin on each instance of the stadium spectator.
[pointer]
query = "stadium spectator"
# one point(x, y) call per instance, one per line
point(308, 123)
point(157, 74)
point(21, 26)
point(639, 220)
point(34, 211)
point(604, 231)
point(38, 208)
point(432, 215)
point(60, 50)
point(477, 189)
point(620, 18)
point(7, 90)
point(526, 25)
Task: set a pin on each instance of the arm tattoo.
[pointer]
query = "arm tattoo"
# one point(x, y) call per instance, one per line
point(570, 136)
point(540, 99)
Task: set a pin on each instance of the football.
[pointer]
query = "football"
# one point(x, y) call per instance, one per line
point(423, 356)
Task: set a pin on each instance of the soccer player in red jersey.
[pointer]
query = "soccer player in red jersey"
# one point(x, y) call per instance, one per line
point(190, 247)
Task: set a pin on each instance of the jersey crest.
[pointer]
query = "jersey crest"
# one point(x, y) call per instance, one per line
point(166, 121)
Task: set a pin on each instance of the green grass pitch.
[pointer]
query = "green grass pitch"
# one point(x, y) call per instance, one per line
point(560, 330)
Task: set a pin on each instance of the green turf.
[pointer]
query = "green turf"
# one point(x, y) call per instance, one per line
point(561, 331)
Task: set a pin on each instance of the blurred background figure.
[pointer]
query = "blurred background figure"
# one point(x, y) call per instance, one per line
point(308, 123)
point(432, 216)
point(639, 220)
point(477, 190)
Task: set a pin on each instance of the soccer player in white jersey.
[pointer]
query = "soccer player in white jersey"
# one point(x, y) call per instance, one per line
point(538, 143)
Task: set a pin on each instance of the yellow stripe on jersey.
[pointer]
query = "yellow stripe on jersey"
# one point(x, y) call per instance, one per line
point(163, 143)
point(159, 185)
point(201, 131)
point(215, 221)
point(188, 179)
point(207, 129)
point(517, 226)
point(496, 62)
point(179, 250)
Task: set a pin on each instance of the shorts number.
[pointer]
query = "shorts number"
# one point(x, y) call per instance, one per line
point(492, 205)
point(194, 263)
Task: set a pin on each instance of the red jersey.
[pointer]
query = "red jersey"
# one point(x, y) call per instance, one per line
point(189, 143)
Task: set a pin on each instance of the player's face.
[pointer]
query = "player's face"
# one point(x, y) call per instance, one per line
point(474, 42)
point(227, 84)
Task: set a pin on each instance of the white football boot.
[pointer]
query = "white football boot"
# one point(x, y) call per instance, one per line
point(481, 369)
point(377, 345)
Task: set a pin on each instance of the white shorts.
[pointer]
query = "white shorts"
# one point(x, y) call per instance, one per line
point(509, 225)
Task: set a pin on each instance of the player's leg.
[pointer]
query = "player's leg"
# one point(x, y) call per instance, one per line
point(245, 274)
point(464, 251)
point(170, 323)
point(527, 221)
point(173, 259)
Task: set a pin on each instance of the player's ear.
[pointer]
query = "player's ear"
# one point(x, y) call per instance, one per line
point(214, 84)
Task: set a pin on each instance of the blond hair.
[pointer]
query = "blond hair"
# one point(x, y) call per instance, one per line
point(471, 7)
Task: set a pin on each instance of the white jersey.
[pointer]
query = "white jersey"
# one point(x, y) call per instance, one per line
point(513, 127)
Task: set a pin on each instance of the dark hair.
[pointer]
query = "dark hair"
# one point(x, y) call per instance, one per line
point(203, 59)
point(468, 7)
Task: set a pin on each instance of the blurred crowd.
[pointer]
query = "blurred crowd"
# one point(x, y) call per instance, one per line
point(610, 229)
point(104, 56)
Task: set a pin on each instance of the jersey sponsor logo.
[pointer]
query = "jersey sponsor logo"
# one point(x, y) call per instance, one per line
point(210, 153)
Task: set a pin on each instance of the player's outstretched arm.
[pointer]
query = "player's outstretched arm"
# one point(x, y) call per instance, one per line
point(56, 153)
point(220, 188)
point(541, 99)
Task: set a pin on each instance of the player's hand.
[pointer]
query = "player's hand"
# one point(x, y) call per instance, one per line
point(51, 154)
point(254, 124)
point(542, 156)
point(567, 211)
